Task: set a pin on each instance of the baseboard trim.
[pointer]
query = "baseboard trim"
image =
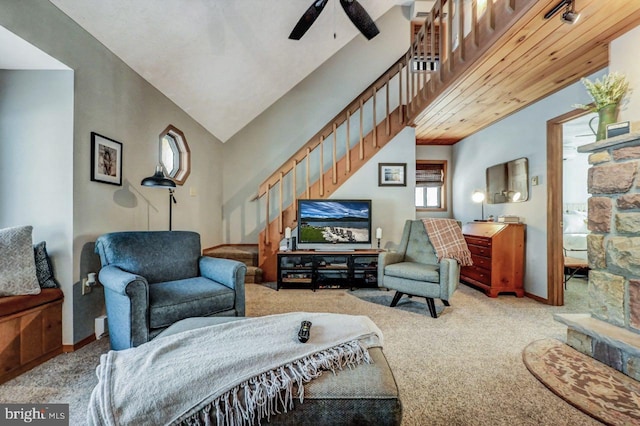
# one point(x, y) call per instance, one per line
point(230, 245)
point(80, 344)
point(537, 298)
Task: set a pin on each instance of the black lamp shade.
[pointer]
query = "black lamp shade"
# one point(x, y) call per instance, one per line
point(158, 180)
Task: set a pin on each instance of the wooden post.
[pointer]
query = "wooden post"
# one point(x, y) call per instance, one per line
point(308, 158)
point(400, 93)
point(334, 172)
point(321, 165)
point(375, 132)
point(361, 129)
point(348, 142)
point(281, 190)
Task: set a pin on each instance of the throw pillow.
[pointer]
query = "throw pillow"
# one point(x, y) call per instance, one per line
point(17, 264)
point(44, 268)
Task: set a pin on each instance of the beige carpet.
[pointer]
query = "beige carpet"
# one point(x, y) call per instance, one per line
point(464, 368)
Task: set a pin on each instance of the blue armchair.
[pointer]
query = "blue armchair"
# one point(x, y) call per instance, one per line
point(153, 279)
point(414, 269)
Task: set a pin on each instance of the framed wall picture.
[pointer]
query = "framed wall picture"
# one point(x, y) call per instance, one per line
point(392, 174)
point(106, 160)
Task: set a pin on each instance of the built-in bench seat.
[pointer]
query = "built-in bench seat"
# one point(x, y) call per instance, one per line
point(30, 331)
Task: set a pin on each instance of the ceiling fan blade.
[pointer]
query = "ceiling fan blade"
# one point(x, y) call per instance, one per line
point(307, 19)
point(360, 18)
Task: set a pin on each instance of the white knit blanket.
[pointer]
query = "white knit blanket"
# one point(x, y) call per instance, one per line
point(235, 373)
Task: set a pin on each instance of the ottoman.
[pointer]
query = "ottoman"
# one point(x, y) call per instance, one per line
point(365, 395)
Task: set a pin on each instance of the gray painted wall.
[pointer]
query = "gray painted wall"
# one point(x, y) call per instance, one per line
point(523, 134)
point(111, 99)
point(261, 147)
point(36, 162)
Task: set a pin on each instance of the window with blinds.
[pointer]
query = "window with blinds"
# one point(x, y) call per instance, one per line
point(431, 176)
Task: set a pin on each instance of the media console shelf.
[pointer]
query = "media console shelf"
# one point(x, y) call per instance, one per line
point(327, 269)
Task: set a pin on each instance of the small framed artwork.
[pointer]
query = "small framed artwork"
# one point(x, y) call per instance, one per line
point(106, 160)
point(392, 174)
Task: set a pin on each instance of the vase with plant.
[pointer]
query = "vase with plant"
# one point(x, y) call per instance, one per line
point(606, 95)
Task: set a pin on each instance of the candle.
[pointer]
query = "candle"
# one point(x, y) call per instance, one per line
point(379, 233)
point(287, 232)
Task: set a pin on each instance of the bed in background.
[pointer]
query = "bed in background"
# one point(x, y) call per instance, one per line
point(574, 239)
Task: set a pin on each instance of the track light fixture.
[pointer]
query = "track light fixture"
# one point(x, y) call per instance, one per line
point(569, 16)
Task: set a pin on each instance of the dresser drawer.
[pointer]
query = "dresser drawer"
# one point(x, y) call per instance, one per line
point(479, 241)
point(480, 250)
point(481, 275)
point(481, 262)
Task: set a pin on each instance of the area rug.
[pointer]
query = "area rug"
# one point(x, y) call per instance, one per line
point(589, 385)
point(417, 305)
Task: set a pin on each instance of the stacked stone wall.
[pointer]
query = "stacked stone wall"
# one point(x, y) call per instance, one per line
point(613, 252)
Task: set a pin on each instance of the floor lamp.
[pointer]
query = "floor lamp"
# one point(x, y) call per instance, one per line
point(478, 197)
point(159, 180)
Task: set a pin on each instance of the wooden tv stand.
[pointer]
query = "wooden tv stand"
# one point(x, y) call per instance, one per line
point(313, 270)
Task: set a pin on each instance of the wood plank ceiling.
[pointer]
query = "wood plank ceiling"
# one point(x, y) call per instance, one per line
point(534, 59)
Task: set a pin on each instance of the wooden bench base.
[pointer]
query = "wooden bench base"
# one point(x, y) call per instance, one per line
point(31, 336)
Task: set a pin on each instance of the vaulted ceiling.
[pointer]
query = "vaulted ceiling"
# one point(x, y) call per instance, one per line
point(534, 59)
point(222, 61)
point(216, 58)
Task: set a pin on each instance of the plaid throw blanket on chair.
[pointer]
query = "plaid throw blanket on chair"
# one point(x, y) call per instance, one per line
point(447, 239)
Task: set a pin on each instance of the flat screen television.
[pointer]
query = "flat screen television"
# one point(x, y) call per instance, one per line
point(334, 224)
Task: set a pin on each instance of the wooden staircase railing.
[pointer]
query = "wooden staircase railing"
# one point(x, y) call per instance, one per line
point(444, 47)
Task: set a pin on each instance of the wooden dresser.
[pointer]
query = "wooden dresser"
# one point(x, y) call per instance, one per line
point(497, 251)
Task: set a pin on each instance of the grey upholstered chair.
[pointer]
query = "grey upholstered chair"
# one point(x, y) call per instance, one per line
point(414, 269)
point(153, 279)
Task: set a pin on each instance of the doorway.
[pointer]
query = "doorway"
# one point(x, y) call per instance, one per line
point(564, 134)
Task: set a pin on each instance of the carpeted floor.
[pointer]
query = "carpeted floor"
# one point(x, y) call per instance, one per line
point(464, 368)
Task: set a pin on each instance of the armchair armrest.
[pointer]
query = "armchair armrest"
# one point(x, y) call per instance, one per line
point(449, 277)
point(224, 271)
point(230, 273)
point(384, 259)
point(127, 300)
point(115, 279)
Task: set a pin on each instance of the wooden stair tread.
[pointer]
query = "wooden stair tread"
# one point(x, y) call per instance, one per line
point(247, 254)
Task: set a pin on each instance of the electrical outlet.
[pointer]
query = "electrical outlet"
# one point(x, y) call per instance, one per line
point(86, 289)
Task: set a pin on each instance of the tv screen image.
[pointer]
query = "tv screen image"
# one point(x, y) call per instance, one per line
point(334, 222)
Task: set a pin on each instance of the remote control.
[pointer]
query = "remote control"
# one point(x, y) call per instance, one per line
point(303, 334)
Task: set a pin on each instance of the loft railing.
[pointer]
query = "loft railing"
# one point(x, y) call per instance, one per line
point(454, 35)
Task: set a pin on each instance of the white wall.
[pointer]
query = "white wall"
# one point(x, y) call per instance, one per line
point(260, 148)
point(36, 163)
point(438, 152)
point(523, 134)
point(574, 179)
point(112, 100)
point(622, 59)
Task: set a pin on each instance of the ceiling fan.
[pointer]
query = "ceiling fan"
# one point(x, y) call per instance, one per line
point(352, 8)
